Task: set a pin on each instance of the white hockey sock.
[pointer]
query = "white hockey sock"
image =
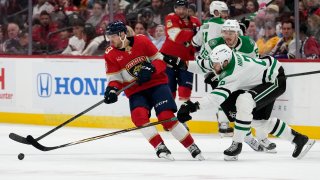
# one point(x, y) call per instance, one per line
point(179, 132)
point(149, 132)
point(241, 129)
point(275, 127)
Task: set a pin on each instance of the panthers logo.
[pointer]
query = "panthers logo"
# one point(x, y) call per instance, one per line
point(134, 66)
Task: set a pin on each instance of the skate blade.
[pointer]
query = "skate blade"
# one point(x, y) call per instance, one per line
point(231, 158)
point(271, 151)
point(200, 157)
point(166, 156)
point(222, 135)
point(308, 145)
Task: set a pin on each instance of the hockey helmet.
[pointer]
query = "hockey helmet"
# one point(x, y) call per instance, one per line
point(116, 27)
point(220, 53)
point(181, 3)
point(231, 25)
point(218, 6)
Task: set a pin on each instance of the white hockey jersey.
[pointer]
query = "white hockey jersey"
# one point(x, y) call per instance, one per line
point(210, 29)
point(242, 72)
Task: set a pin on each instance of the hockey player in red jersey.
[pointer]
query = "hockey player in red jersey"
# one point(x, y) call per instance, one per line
point(180, 28)
point(130, 59)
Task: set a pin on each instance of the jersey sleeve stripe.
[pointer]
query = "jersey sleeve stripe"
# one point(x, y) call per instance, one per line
point(274, 63)
point(224, 89)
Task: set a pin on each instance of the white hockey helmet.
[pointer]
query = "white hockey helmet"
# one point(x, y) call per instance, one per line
point(218, 6)
point(231, 25)
point(220, 53)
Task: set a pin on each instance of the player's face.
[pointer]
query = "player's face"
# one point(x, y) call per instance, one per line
point(230, 37)
point(217, 68)
point(115, 40)
point(181, 11)
point(224, 14)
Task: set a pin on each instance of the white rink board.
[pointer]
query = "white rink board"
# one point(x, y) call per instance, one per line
point(71, 85)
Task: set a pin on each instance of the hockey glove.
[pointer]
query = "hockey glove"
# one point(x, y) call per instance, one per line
point(185, 109)
point(175, 62)
point(145, 73)
point(110, 95)
point(210, 78)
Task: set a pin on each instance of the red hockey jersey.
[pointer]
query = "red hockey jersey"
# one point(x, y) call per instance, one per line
point(123, 66)
point(178, 34)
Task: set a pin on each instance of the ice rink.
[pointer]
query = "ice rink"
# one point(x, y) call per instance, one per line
point(129, 156)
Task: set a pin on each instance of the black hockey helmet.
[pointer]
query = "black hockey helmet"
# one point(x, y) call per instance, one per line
point(116, 27)
point(181, 3)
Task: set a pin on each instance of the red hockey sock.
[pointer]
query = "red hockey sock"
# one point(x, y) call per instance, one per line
point(164, 115)
point(184, 93)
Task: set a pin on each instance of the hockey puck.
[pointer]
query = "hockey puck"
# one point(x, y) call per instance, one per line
point(21, 156)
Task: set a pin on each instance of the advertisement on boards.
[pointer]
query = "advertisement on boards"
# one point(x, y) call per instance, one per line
point(7, 83)
point(73, 88)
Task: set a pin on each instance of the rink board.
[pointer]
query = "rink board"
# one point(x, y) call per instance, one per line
point(48, 91)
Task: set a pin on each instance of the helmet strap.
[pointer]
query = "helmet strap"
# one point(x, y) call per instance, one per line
point(123, 40)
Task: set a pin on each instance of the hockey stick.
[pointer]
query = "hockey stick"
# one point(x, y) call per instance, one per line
point(39, 146)
point(303, 74)
point(23, 140)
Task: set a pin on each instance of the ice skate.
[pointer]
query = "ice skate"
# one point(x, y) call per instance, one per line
point(253, 143)
point(163, 152)
point(225, 130)
point(302, 145)
point(196, 152)
point(231, 154)
point(268, 146)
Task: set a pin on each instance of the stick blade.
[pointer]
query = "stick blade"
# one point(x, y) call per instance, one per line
point(18, 138)
point(36, 144)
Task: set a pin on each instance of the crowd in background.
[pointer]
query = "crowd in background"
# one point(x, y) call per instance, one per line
point(77, 27)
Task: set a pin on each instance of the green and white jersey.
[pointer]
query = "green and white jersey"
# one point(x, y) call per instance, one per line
point(210, 29)
point(243, 73)
point(245, 46)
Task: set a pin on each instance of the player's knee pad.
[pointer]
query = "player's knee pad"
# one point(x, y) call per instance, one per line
point(140, 116)
point(184, 92)
point(245, 105)
point(164, 115)
point(265, 125)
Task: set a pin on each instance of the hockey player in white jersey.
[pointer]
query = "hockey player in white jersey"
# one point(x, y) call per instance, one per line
point(247, 90)
point(211, 28)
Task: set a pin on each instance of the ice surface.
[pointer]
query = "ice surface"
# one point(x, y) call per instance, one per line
point(129, 156)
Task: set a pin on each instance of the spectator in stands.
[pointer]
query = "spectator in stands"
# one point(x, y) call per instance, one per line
point(42, 5)
point(141, 28)
point(272, 12)
point(12, 34)
point(252, 31)
point(20, 46)
point(67, 6)
point(76, 43)
point(147, 18)
point(97, 14)
point(44, 35)
point(159, 36)
point(88, 36)
point(314, 24)
point(283, 8)
point(159, 11)
point(237, 8)
point(267, 42)
point(252, 6)
point(192, 10)
point(286, 46)
point(313, 6)
point(310, 48)
point(117, 15)
point(136, 6)
point(123, 4)
point(63, 39)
